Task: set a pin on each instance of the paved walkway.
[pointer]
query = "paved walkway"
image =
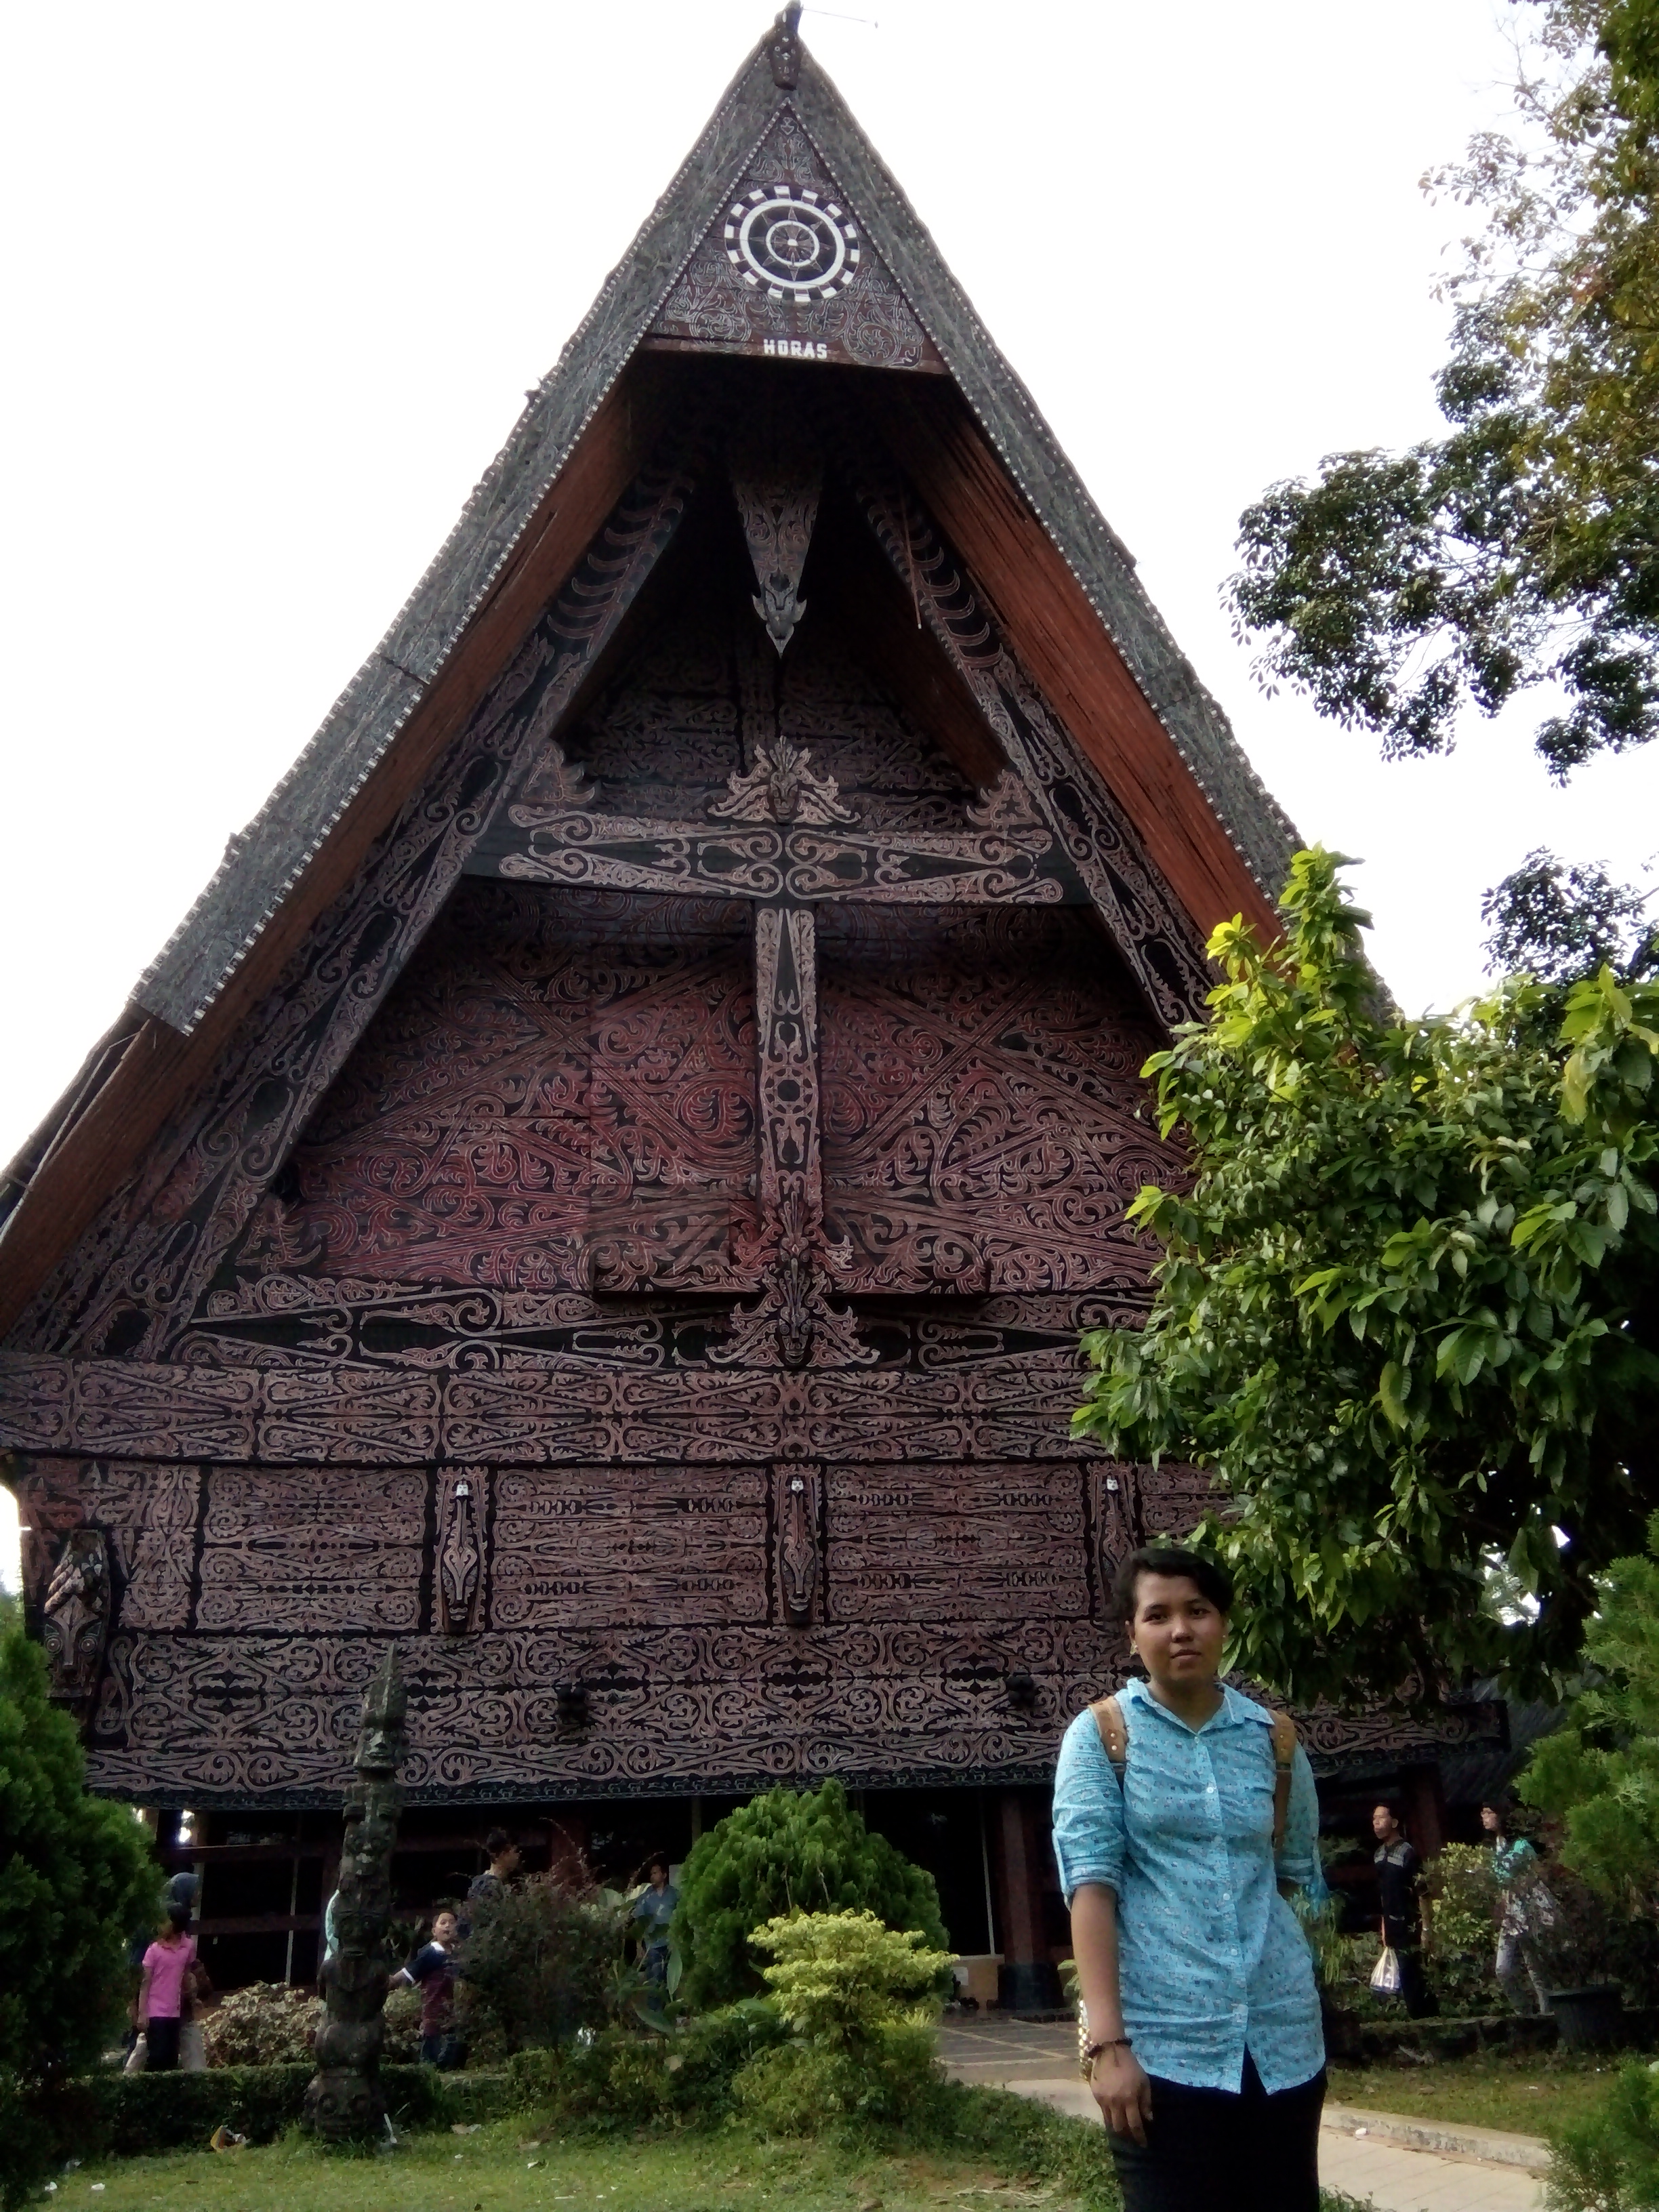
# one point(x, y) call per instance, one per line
point(1368, 2154)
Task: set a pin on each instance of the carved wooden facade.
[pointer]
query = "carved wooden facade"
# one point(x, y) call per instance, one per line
point(624, 1237)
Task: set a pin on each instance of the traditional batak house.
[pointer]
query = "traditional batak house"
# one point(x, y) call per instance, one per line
point(604, 1185)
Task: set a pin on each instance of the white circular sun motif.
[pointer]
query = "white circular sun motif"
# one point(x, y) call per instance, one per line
point(798, 244)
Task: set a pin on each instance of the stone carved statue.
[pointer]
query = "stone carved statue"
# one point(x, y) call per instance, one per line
point(345, 2100)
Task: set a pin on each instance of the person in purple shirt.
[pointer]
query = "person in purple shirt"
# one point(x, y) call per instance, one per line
point(1200, 2015)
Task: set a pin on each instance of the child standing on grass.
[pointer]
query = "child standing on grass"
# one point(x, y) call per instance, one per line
point(161, 1993)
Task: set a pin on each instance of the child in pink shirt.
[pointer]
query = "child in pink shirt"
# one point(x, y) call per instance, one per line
point(162, 1994)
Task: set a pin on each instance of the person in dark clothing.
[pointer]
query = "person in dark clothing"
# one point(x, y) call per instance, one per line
point(432, 1972)
point(1399, 1884)
point(504, 1860)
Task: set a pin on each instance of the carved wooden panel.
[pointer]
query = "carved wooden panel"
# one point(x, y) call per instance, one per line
point(457, 1565)
point(983, 1123)
point(148, 1511)
point(300, 1552)
point(137, 1277)
point(732, 297)
point(964, 1543)
point(1157, 939)
point(557, 1092)
point(594, 1547)
point(797, 1541)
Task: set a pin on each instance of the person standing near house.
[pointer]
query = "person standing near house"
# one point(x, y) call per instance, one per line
point(1183, 1813)
point(504, 1859)
point(655, 1907)
point(161, 1993)
point(1529, 1912)
point(1400, 1900)
point(432, 1972)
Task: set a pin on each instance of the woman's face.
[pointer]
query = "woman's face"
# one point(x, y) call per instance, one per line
point(1177, 1631)
point(1492, 1821)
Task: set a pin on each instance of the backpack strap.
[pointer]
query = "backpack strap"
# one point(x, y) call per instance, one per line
point(1114, 1742)
point(1284, 1766)
point(1114, 1734)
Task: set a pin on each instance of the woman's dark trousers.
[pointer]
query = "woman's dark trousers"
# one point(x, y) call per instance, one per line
point(1213, 2150)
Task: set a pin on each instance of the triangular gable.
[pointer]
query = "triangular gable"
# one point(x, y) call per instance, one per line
point(987, 470)
point(786, 272)
point(263, 867)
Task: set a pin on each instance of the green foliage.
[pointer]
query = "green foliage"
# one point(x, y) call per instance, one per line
point(1600, 1771)
point(787, 1851)
point(1463, 1908)
point(1407, 1307)
point(1523, 546)
point(76, 1880)
point(265, 2024)
point(886, 2079)
point(543, 1959)
point(136, 2115)
point(619, 2079)
point(842, 1977)
point(1559, 923)
point(1609, 2161)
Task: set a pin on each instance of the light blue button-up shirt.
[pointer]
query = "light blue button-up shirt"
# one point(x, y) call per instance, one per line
point(1210, 1961)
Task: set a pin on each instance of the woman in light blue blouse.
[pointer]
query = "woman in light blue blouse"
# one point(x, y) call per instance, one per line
point(1203, 2042)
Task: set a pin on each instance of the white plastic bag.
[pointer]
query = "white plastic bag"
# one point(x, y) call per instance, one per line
point(1385, 1974)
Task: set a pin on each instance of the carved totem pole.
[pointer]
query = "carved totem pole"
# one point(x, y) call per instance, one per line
point(345, 2099)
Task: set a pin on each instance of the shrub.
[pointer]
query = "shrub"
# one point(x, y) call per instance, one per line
point(545, 1958)
point(1463, 1910)
point(1608, 2161)
point(841, 1978)
point(621, 2080)
point(883, 2080)
point(75, 1880)
point(788, 1852)
point(1594, 1939)
point(266, 2024)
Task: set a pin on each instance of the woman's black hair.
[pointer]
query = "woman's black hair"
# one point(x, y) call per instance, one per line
point(496, 1842)
point(1215, 1583)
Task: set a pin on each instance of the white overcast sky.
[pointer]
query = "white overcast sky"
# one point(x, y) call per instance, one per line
point(275, 280)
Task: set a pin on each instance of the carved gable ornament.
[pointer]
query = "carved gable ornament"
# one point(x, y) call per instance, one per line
point(785, 272)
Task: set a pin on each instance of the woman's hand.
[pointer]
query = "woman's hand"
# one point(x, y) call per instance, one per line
point(1122, 2092)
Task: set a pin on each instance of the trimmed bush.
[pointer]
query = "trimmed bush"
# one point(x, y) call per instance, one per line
point(788, 1852)
point(621, 2080)
point(886, 2079)
point(842, 1978)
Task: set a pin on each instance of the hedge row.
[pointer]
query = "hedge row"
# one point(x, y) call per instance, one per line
point(127, 2115)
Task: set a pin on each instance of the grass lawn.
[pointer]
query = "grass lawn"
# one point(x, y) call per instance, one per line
point(492, 2171)
point(1526, 2093)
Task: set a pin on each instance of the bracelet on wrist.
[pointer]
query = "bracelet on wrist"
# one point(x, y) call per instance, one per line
point(1092, 2051)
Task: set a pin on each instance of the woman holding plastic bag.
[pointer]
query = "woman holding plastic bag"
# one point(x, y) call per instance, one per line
point(1183, 1815)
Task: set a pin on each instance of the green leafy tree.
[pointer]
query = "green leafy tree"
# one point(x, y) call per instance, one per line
point(1407, 1307)
point(75, 1880)
point(1558, 922)
point(1522, 547)
point(1600, 1771)
point(788, 1852)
